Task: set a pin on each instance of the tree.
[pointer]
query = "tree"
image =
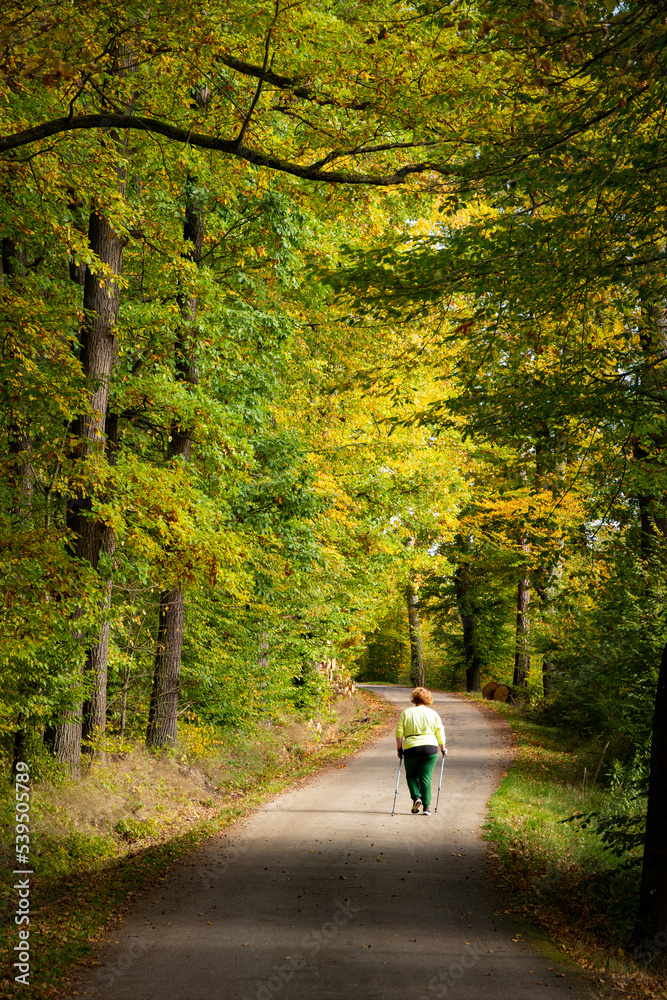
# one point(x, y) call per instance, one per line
point(227, 75)
point(546, 281)
point(163, 711)
point(414, 629)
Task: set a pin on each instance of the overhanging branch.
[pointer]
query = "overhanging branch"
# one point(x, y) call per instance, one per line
point(290, 84)
point(311, 172)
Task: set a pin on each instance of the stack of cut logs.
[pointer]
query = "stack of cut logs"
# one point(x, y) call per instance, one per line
point(496, 692)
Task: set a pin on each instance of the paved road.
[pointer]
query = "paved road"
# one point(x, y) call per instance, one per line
point(321, 895)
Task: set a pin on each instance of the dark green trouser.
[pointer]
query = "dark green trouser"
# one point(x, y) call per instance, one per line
point(418, 771)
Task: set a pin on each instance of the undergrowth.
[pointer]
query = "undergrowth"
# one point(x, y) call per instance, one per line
point(98, 841)
point(566, 858)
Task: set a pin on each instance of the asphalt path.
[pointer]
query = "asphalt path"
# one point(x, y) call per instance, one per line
point(322, 894)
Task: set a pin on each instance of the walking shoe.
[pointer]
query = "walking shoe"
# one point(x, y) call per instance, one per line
point(415, 805)
point(427, 811)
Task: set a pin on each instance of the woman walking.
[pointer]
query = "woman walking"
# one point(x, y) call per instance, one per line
point(419, 734)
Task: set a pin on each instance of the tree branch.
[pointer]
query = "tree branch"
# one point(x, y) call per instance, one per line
point(288, 83)
point(153, 125)
point(262, 76)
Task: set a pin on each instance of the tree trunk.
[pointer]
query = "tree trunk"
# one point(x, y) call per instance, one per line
point(97, 354)
point(548, 667)
point(551, 459)
point(473, 663)
point(64, 740)
point(468, 617)
point(263, 651)
point(13, 259)
point(186, 338)
point(101, 302)
point(652, 914)
point(548, 677)
point(97, 659)
point(522, 653)
point(416, 652)
point(20, 744)
point(163, 711)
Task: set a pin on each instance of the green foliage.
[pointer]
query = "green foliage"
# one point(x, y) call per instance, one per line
point(387, 653)
point(459, 383)
point(135, 829)
point(577, 880)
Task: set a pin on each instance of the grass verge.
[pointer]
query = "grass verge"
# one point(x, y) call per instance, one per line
point(557, 874)
point(97, 842)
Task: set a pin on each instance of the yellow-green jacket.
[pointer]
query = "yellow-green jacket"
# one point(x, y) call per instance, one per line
point(420, 726)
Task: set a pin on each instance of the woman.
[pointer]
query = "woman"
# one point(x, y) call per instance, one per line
point(419, 734)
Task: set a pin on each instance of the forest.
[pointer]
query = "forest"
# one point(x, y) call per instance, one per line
point(334, 345)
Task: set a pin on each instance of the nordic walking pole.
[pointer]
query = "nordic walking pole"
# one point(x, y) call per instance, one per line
point(393, 808)
point(442, 767)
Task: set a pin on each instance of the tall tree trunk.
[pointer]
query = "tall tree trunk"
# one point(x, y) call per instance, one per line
point(97, 656)
point(548, 667)
point(473, 663)
point(652, 910)
point(522, 652)
point(163, 711)
point(20, 744)
point(416, 652)
point(101, 302)
point(550, 458)
point(63, 738)
point(97, 660)
point(97, 354)
point(652, 913)
point(465, 604)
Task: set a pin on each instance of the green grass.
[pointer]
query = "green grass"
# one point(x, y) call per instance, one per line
point(557, 874)
point(99, 841)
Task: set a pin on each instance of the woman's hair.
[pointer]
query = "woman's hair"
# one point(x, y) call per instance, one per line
point(420, 696)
